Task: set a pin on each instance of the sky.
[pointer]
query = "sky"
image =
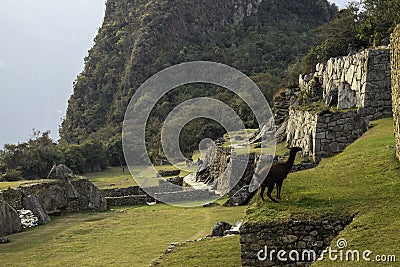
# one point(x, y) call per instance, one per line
point(42, 47)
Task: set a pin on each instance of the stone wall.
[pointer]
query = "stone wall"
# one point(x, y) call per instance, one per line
point(301, 235)
point(362, 80)
point(122, 192)
point(324, 134)
point(395, 62)
point(130, 200)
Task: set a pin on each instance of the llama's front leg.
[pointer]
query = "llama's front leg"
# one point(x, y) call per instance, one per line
point(278, 190)
point(270, 188)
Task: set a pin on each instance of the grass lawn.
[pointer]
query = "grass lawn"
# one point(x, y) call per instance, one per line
point(134, 238)
point(214, 252)
point(111, 178)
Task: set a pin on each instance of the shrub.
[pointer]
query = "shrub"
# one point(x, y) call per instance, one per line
point(11, 176)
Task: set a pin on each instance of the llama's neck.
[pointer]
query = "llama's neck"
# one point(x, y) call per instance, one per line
point(290, 160)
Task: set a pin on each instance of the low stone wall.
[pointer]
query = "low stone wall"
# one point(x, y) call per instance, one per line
point(324, 134)
point(395, 60)
point(306, 237)
point(133, 200)
point(362, 80)
point(122, 192)
point(186, 196)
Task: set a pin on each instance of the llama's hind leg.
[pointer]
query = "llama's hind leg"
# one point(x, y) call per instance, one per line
point(262, 192)
point(269, 192)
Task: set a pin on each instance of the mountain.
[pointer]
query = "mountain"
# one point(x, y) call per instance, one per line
point(139, 38)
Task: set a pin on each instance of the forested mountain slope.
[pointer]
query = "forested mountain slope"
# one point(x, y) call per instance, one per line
point(139, 38)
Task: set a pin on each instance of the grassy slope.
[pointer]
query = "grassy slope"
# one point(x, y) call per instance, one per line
point(365, 178)
point(134, 238)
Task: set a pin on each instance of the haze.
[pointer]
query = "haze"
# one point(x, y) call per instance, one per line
point(42, 47)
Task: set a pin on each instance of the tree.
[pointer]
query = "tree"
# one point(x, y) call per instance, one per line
point(33, 159)
point(379, 19)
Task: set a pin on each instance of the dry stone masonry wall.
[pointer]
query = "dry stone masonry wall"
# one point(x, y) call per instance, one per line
point(395, 62)
point(362, 80)
point(305, 237)
point(324, 134)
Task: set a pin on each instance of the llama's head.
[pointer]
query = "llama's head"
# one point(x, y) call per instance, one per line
point(295, 149)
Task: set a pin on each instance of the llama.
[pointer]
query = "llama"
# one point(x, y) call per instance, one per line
point(278, 172)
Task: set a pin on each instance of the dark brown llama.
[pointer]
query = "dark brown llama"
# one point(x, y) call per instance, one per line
point(278, 172)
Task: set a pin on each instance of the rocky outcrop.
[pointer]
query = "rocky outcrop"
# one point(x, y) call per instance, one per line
point(240, 198)
point(395, 60)
point(34, 204)
point(220, 228)
point(60, 172)
point(283, 101)
point(166, 173)
point(9, 219)
point(58, 196)
point(217, 170)
point(28, 219)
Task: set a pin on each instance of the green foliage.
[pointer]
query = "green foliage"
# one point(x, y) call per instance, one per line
point(379, 19)
point(11, 176)
point(367, 23)
point(140, 38)
point(32, 159)
point(89, 156)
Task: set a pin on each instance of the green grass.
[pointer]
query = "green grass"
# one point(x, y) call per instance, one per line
point(115, 178)
point(6, 185)
point(134, 238)
point(364, 179)
point(214, 252)
point(111, 178)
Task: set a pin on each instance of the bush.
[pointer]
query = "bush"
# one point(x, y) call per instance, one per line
point(11, 176)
